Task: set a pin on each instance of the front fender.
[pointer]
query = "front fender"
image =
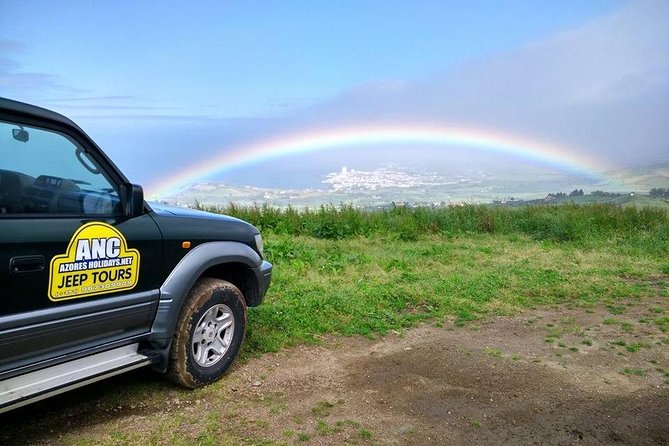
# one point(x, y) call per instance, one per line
point(175, 289)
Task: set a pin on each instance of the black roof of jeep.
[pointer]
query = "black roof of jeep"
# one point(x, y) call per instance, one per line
point(33, 110)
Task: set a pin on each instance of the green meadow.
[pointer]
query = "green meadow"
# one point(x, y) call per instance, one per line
point(345, 271)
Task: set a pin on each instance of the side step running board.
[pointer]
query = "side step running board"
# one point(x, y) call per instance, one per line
point(34, 386)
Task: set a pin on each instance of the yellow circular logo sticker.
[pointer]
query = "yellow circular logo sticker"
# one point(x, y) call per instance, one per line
point(97, 261)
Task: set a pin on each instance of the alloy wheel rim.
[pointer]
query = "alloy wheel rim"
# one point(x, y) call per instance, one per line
point(212, 335)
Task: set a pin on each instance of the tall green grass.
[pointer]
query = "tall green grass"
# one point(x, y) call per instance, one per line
point(644, 229)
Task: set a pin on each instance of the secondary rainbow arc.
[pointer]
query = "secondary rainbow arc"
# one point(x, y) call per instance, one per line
point(556, 156)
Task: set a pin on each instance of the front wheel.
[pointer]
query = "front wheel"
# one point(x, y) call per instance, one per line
point(209, 333)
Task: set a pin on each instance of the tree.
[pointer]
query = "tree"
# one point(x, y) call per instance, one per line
point(659, 192)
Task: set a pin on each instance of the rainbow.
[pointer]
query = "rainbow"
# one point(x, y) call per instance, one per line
point(552, 155)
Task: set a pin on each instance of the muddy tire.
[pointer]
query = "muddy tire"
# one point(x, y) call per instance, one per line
point(209, 333)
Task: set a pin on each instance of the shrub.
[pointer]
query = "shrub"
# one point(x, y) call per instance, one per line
point(632, 229)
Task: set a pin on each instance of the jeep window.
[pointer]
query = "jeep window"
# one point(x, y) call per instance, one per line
point(45, 172)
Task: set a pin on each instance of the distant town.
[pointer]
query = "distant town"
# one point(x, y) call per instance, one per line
point(388, 185)
point(383, 178)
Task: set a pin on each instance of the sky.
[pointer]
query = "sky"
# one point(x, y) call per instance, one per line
point(162, 85)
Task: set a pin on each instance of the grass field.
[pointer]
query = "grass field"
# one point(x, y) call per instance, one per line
point(345, 271)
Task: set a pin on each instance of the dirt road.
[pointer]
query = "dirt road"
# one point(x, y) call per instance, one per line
point(561, 376)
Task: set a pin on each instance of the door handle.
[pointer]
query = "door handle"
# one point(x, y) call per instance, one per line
point(26, 264)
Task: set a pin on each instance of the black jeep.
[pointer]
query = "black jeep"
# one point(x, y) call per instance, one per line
point(97, 281)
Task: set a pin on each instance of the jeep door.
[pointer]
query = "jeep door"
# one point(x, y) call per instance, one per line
point(76, 274)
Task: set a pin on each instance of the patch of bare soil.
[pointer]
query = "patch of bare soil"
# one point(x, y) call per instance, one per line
point(549, 377)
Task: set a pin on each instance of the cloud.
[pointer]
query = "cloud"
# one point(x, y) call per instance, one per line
point(602, 88)
point(15, 81)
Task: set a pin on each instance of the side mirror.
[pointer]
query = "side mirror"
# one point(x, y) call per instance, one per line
point(134, 200)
